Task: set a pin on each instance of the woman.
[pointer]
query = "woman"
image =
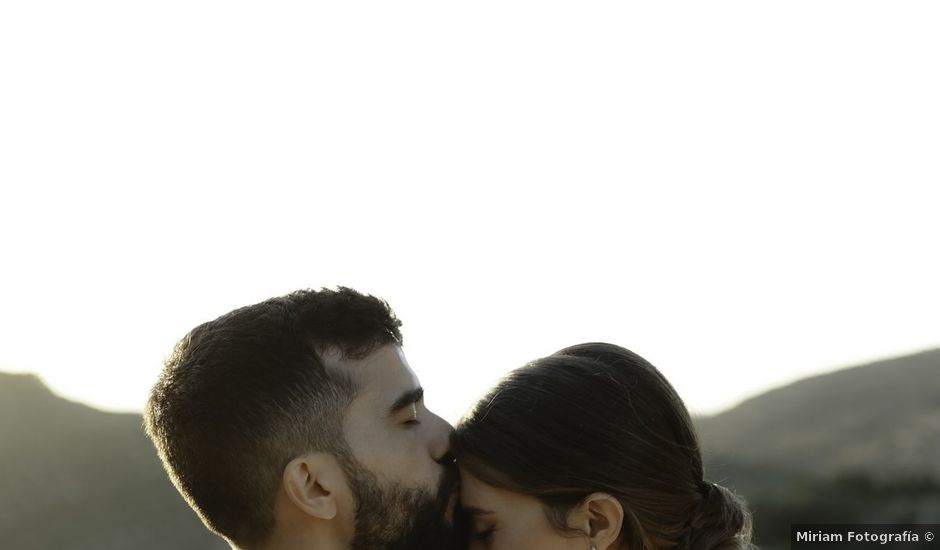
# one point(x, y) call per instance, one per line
point(590, 448)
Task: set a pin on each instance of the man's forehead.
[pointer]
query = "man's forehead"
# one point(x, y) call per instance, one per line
point(384, 365)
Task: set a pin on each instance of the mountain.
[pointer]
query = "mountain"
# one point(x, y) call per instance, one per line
point(74, 478)
point(883, 417)
point(859, 445)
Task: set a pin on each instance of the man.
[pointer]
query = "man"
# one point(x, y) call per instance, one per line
point(297, 423)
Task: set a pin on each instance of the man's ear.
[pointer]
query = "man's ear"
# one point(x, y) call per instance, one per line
point(311, 483)
point(600, 516)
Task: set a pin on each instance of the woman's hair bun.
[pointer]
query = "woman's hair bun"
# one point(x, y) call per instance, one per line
point(721, 522)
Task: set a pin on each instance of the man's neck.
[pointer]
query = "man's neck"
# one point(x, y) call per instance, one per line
point(305, 540)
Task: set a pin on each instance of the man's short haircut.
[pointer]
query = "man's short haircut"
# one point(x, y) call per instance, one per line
point(243, 395)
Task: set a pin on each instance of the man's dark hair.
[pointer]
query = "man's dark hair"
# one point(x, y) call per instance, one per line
point(243, 395)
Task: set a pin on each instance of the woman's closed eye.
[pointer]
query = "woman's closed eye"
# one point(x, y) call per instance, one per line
point(482, 534)
point(482, 525)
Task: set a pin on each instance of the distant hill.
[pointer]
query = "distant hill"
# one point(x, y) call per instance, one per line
point(74, 478)
point(860, 444)
point(882, 418)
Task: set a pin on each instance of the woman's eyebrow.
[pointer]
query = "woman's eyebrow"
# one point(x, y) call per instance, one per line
point(474, 511)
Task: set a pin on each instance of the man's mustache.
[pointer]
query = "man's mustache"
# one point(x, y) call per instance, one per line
point(450, 482)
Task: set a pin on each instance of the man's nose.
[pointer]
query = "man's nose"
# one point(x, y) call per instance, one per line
point(439, 444)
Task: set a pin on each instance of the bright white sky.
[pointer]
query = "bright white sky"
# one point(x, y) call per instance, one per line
point(744, 193)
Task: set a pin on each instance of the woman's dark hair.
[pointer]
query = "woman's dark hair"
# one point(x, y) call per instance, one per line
point(599, 418)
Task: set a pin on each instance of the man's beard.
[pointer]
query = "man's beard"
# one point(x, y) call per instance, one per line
point(395, 517)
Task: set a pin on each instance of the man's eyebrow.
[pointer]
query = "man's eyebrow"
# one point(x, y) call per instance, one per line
point(406, 400)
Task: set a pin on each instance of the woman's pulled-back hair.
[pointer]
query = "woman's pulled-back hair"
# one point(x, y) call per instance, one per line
point(599, 418)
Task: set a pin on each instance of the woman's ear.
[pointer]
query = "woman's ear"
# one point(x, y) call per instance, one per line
point(600, 516)
point(311, 483)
